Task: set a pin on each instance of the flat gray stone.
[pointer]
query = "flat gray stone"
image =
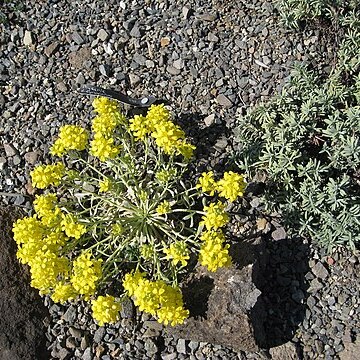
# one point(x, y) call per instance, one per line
point(87, 355)
point(150, 347)
point(28, 38)
point(181, 346)
point(178, 64)
point(10, 150)
point(102, 35)
point(135, 31)
point(172, 70)
point(209, 120)
point(50, 49)
point(77, 38)
point(315, 285)
point(224, 101)
point(99, 334)
point(134, 79)
point(320, 271)
point(279, 234)
point(284, 352)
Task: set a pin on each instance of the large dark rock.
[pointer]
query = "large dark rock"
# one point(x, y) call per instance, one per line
point(225, 309)
point(22, 333)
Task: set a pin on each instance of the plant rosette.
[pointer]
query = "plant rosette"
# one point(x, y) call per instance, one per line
point(116, 210)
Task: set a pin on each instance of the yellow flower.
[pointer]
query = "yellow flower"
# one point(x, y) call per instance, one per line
point(104, 124)
point(177, 252)
point(105, 106)
point(71, 227)
point(131, 281)
point(139, 127)
point(172, 314)
point(63, 292)
point(216, 216)
point(206, 183)
point(185, 149)
point(231, 186)
point(103, 148)
point(156, 298)
point(45, 269)
point(28, 229)
point(105, 185)
point(213, 253)
point(44, 204)
point(105, 309)
point(165, 176)
point(55, 240)
point(147, 251)
point(163, 208)
point(156, 115)
point(44, 175)
point(71, 137)
point(86, 274)
point(117, 229)
point(167, 136)
point(213, 235)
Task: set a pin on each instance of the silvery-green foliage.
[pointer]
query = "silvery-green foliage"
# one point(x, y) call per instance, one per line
point(307, 141)
point(293, 12)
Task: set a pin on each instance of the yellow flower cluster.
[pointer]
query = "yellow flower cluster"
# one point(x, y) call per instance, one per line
point(40, 240)
point(213, 253)
point(168, 136)
point(207, 183)
point(103, 126)
point(177, 252)
point(216, 216)
point(63, 292)
point(231, 186)
point(71, 137)
point(117, 229)
point(47, 210)
point(165, 176)
point(103, 147)
point(28, 229)
point(38, 248)
point(163, 208)
point(45, 204)
point(147, 251)
point(105, 309)
point(139, 127)
point(86, 273)
point(45, 175)
point(71, 226)
point(107, 107)
point(156, 298)
point(105, 185)
point(32, 238)
point(45, 268)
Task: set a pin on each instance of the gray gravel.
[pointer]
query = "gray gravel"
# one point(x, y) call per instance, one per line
point(211, 60)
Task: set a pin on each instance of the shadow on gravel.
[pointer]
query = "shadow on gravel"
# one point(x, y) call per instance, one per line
point(208, 139)
point(284, 289)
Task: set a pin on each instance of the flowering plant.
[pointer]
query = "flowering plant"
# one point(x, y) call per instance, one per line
point(122, 211)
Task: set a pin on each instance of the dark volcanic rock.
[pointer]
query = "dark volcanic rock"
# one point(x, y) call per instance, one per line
point(21, 308)
point(234, 313)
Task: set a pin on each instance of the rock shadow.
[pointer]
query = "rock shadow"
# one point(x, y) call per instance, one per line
point(196, 296)
point(284, 289)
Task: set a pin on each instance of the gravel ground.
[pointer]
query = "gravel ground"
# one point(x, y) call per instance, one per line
point(211, 60)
